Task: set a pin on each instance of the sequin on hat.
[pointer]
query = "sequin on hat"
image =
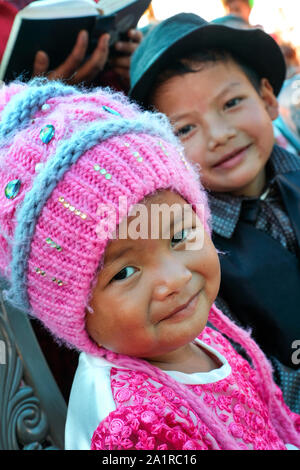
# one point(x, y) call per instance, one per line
point(12, 189)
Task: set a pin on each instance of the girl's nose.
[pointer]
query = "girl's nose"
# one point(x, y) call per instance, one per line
point(169, 279)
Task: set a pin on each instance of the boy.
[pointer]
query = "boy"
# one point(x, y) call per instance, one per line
point(218, 86)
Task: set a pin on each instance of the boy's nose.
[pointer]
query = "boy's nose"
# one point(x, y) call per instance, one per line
point(219, 132)
point(170, 278)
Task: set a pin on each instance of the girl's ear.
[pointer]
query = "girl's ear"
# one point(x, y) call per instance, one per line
point(270, 101)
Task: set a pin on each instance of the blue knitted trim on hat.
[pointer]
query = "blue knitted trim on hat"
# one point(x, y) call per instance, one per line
point(21, 108)
point(67, 154)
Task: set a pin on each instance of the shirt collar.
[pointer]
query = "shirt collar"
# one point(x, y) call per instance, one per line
point(226, 208)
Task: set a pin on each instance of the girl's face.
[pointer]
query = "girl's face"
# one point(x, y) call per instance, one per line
point(153, 296)
point(223, 123)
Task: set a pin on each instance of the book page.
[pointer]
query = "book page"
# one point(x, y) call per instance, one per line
point(59, 9)
point(110, 6)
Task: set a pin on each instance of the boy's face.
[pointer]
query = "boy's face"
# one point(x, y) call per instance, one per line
point(223, 123)
point(153, 296)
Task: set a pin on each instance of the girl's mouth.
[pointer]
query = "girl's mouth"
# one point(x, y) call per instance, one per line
point(184, 310)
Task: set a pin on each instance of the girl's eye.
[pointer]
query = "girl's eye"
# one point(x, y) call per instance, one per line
point(124, 273)
point(182, 131)
point(233, 102)
point(181, 236)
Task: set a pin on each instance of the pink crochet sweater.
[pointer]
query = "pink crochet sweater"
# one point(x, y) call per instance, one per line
point(151, 416)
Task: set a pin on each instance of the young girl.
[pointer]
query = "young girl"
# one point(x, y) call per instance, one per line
point(75, 166)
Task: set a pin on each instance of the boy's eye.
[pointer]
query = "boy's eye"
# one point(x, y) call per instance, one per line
point(182, 131)
point(181, 236)
point(233, 102)
point(124, 273)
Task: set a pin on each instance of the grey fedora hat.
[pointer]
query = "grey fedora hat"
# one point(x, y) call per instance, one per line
point(187, 32)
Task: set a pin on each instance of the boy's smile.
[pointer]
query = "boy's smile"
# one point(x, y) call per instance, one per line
point(153, 296)
point(223, 123)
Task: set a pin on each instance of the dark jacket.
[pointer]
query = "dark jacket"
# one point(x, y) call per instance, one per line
point(260, 280)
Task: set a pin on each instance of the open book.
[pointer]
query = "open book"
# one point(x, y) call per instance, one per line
point(53, 26)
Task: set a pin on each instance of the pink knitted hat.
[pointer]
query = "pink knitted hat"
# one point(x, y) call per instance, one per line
point(63, 154)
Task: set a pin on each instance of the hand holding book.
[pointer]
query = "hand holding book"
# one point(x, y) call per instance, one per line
point(70, 38)
point(75, 70)
point(120, 62)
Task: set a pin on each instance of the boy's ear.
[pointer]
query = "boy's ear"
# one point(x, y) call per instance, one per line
point(269, 99)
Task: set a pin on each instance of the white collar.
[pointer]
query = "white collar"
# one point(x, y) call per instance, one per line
point(195, 378)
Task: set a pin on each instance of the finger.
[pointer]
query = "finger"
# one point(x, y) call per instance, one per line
point(100, 55)
point(40, 64)
point(73, 61)
point(95, 63)
point(135, 35)
point(126, 47)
